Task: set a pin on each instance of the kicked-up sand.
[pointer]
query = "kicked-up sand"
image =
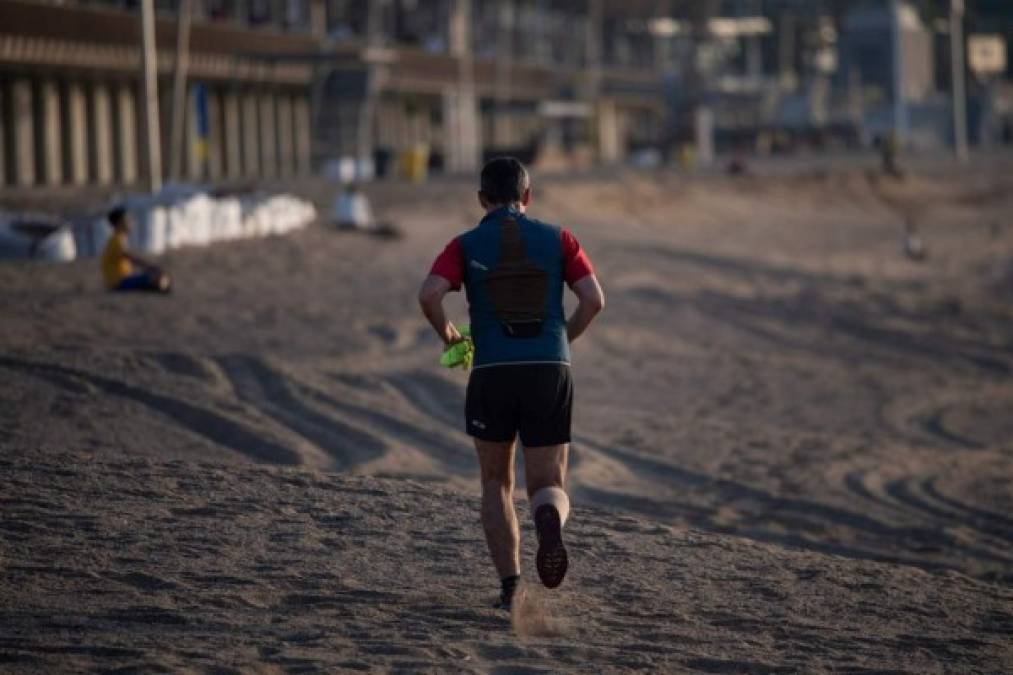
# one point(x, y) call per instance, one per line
point(793, 445)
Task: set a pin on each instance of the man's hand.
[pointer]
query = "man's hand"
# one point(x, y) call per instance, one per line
point(590, 301)
point(431, 300)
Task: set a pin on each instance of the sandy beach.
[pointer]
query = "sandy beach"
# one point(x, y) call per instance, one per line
point(793, 450)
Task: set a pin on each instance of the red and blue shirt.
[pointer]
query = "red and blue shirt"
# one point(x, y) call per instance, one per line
point(513, 269)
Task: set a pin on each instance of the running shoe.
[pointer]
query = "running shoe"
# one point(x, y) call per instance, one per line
point(551, 560)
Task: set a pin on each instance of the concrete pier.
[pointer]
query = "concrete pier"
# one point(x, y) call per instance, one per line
point(50, 136)
point(76, 105)
point(23, 141)
point(101, 134)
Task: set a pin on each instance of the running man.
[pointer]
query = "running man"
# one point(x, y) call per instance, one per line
point(513, 268)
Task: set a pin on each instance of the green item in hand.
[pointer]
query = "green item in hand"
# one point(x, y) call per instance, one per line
point(460, 354)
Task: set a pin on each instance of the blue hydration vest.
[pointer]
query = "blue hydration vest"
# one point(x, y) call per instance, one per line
point(513, 274)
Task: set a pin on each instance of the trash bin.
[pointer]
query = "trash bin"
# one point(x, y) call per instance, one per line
point(414, 163)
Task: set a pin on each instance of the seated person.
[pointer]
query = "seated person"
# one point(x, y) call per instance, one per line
point(124, 271)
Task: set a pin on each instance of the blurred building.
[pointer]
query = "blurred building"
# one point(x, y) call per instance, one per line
point(282, 87)
point(783, 75)
point(70, 95)
point(279, 88)
point(891, 51)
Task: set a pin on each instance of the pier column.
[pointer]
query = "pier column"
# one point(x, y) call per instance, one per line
point(232, 135)
point(286, 147)
point(268, 137)
point(215, 144)
point(76, 130)
point(102, 134)
point(165, 148)
point(194, 160)
point(23, 142)
point(303, 141)
point(461, 132)
point(251, 131)
point(3, 137)
point(51, 136)
point(126, 133)
point(609, 137)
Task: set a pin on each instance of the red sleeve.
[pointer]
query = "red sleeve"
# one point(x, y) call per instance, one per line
point(576, 264)
point(450, 265)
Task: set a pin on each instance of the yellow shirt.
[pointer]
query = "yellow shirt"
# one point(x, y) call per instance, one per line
point(115, 265)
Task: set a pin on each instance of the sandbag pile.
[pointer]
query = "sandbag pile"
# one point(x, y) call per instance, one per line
point(39, 236)
point(177, 217)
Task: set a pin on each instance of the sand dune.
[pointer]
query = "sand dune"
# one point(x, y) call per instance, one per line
point(793, 445)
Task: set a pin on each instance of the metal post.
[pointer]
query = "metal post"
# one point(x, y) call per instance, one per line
point(754, 49)
point(462, 135)
point(786, 50)
point(900, 115)
point(176, 134)
point(504, 55)
point(375, 38)
point(700, 85)
point(959, 86)
point(602, 114)
point(152, 133)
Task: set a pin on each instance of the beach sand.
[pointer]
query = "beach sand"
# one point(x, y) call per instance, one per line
point(793, 444)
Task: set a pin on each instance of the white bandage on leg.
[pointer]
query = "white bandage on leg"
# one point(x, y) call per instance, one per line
point(555, 496)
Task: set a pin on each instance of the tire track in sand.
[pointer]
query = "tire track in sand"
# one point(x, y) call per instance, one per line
point(265, 389)
point(355, 434)
point(216, 428)
point(721, 505)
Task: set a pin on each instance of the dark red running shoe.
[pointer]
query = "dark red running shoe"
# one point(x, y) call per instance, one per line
point(551, 560)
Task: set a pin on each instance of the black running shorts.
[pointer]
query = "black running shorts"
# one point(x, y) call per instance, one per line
point(533, 399)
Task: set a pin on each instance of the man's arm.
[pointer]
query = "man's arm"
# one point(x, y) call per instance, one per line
point(431, 300)
point(590, 301)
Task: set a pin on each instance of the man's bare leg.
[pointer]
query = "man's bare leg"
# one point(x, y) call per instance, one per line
point(545, 473)
point(545, 467)
point(496, 461)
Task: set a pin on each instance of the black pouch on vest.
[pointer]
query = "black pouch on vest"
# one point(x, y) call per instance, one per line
point(522, 329)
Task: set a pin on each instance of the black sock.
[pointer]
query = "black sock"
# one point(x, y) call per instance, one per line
point(508, 585)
